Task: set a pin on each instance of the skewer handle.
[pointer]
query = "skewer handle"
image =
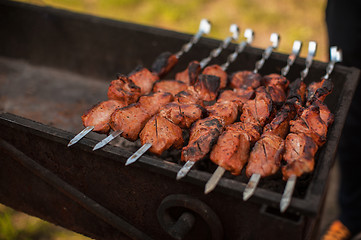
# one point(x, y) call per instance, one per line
point(213, 181)
point(80, 135)
point(287, 194)
point(312, 48)
point(275, 39)
point(234, 29)
point(138, 154)
point(251, 186)
point(204, 28)
point(335, 56)
point(249, 35)
point(297, 45)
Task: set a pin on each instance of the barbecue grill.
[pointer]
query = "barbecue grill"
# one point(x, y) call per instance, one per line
point(55, 64)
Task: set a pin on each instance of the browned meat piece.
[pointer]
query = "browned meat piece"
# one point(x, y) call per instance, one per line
point(259, 110)
point(319, 91)
point(144, 79)
point(164, 63)
point(189, 96)
point(216, 70)
point(130, 120)
point(311, 124)
point(162, 134)
point(153, 102)
point(190, 74)
point(124, 89)
point(297, 89)
point(232, 149)
point(325, 114)
point(266, 155)
point(99, 115)
point(275, 79)
point(207, 87)
point(225, 110)
point(182, 115)
point(300, 151)
point(245, 79)
point(237, 95)
point(204, 133)
point(171, 86)
point(279, 125)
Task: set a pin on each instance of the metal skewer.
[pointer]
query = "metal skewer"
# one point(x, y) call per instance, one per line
point(249, 35)
point(204, 28)
point(234, 29)
point(107, 140)
point(275, 39)
point(80, 135)
point(335, 56)
point(217, 175)
point(255, 178)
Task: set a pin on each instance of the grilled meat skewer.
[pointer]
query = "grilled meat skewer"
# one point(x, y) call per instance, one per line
point(266, 156)
point(301, 147)
point(242, 139)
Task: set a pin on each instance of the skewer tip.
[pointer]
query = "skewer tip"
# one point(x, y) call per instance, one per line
point(80, 135)
point(138, 153)
point(251, 186)
point(185, 169)
point(213, 181)
point(287, 194)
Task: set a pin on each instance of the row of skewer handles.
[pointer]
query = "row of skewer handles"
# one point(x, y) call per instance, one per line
point(161, 67)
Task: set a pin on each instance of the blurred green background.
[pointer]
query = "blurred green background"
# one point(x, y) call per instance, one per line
point(292, 19)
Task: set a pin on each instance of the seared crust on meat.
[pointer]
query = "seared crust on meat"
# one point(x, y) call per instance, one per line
point(144, 79)
point(99, 115)
point(162, 134)
point(124, 89)
point(164, 63)
point(190, 75)
point(217, 70)
point(245, 79)
point(171, 86)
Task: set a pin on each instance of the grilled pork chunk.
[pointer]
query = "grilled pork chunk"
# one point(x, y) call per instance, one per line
point(164, 63)
point(99, 115)
point(183, 115)
point(216, 70)
point(171, 86)
point(144, 79)
point(162, 134)
point(131, 119)
point(245, 79)
point(204, 133)
point(300, 151)
point(190, 75)
point(124, 89)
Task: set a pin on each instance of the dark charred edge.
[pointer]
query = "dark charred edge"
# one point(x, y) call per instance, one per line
point(204, 111)
point(121, 76)
point(323, 91)
point(136, 69)
point(210, 82)
point(161, 62)
point(213, 122)
point(294, 91)
point(309, 144)
point(194, 69)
